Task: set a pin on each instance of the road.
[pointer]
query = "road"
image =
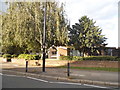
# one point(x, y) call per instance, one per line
point(104, 76)
point(10, 81)
point(13, 81)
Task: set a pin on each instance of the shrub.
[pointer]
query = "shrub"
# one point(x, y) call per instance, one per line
point(77, 58)
point(7, 56)
point(36, 57)
point(29, 57)
point(109, 58)
point(1, 55)
point(22, 56)
point(99, 58)
point(66, 57)
point(118, 58)
point(14, 55)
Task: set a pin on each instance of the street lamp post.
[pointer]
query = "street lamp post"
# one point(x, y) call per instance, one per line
point(44, 37)
point(68, 63)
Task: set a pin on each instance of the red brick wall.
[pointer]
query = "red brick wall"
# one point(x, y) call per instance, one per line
point(111, 64)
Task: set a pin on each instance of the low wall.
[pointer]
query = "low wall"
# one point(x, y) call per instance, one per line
point(108, 64)
point(49, 63)
point(23, 62)
point(54, 63)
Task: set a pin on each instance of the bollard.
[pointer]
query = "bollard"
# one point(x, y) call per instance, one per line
point(68, 70)
point(26, 66)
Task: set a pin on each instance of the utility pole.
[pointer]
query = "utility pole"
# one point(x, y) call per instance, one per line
point(44, 37)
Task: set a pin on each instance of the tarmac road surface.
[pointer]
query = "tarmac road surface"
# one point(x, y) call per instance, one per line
point(13, 81)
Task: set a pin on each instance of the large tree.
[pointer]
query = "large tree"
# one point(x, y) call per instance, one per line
point(22, 26)
point(86, 37)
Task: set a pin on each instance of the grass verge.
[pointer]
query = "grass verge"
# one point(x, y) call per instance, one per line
point(94, 68)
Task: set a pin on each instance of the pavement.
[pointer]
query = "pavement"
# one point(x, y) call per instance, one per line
point(103, 78)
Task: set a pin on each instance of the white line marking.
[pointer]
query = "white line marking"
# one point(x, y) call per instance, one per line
point(1, 74)
point(79, 84)
point(66, 83)
point(55, 82)
point(37, 79)
point(94, 86)
point(77, 75)
point(12, 75)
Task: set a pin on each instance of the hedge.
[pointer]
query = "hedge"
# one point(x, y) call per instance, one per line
point(111, 58)
point(1, 55)
point(99, 58)
point(14, 55)
point(71, 58)
point(29, 57)
point(7, 56)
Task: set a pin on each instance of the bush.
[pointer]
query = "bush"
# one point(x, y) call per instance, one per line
point(71, 58)
point(117, 58)
point(77, 58)
point(22, 56)
point(37, 57)
point(7, 56)
point(108, 58)
point(29, 57)
point(1, 55)
point(66, 57)
point(99, 58)
point(14, 55)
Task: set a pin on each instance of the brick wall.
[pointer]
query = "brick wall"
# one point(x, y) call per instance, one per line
point(61, 51)
point(54, 63)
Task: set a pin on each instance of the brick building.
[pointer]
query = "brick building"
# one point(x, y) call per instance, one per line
point(55, 52)
point(111, 51)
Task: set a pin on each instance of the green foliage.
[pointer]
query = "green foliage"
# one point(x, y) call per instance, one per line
point(95, 68)
point(66, 57)
point(1, 55)
point(110, 58)
point(71, 58)
point(22, 27)
point(22, 56)
point(96, 58)
point(7, 56)
point(77, 58)
point(117, 58)
point(14, 55)
point(29, 57)
point(86, 37)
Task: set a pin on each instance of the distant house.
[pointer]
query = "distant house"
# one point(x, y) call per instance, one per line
point(55, 52)
point(111, 51)
point(105, 51)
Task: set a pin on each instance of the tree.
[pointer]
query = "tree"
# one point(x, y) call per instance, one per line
point(22, 26)
point(86, 37)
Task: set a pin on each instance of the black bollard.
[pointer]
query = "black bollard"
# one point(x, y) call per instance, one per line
point(68, 70)
point(26, 66)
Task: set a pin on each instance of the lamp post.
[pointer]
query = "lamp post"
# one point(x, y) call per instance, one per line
point(68, 63)
point(44, 37)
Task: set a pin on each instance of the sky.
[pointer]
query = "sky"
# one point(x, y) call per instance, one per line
point(104, 12)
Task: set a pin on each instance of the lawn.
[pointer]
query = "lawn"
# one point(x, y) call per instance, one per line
point(94, 68)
